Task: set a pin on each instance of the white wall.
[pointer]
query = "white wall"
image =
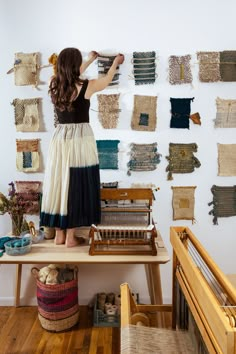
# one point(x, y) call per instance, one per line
point(168, 27)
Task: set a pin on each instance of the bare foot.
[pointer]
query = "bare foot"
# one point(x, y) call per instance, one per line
point(60, 237)
point(71, 240)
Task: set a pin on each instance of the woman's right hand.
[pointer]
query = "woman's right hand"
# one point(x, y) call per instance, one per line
point(120, 59)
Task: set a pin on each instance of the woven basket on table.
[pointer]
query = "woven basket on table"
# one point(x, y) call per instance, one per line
point(58, 307)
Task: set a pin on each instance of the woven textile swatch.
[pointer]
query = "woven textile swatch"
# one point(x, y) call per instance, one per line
point(228, 65)
point(104, 64)
point(209, 66)
point(143, 157)
point(181, 159)
point(144, 67)
point(183, 203)
point(27, 155)
point(30, 194)
point(224, 202)
point(26, 69)
point(180, 70)
point(226, 159)
point(180, 112)
point(108, 154)
point(226, 113)
point(144, 115)
point(108, 107)
point(26, 114)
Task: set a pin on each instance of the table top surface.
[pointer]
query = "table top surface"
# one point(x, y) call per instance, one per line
point(47, 252)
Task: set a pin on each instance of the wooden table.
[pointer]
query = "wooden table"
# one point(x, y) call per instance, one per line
point(46, 252)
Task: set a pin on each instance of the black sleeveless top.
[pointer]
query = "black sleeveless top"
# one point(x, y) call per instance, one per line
point(80, 112)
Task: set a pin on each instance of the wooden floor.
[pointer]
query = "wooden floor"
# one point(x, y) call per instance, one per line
point(21, 333)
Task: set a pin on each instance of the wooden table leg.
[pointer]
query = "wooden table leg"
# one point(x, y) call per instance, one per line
point(155, 289)
point(18, 284)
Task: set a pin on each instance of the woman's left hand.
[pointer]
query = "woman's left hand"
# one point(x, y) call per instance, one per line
point(93, 55)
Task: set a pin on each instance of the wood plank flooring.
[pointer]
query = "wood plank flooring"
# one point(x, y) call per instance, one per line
point(21, 333)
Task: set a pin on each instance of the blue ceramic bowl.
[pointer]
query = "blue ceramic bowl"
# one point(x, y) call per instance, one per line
point(19, 246)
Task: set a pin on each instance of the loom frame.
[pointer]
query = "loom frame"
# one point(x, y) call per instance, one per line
point(217, 334)
point(124, 246)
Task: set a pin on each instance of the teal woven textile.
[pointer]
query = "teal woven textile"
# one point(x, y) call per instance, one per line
point(108, 154)
point(224, 202)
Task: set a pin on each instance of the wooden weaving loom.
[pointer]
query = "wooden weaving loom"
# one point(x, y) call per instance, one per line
point(203, 307)
point(126, 223)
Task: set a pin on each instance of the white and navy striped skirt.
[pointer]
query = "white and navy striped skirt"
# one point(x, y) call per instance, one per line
point(71, 188)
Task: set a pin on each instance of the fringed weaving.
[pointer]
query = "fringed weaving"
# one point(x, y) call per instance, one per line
point(30, 195)
point(180, 70)
point(225, 114)
point(181, 159)
point(108, 108)
point(150, 340)
point(143, 157)
point(104, 64)
point(26, 69)
point(180, 112)
point(209, 66)
point(226, 159)
point(224, 202)
point(228, 65)
point(108, 154)
point(144, 115)
point(183, 202)
point(26, 114)
point(144, 67)
point(27, 155)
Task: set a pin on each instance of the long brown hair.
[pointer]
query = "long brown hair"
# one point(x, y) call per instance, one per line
point(62, 88)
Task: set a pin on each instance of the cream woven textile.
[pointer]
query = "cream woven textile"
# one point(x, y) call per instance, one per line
point(226, 159)
point(144, 115)
point(180, 70)
point(209, 66)
point(150, 340)
point(225, 114)
point(183, 202)
point(26, 69)
point(108, 107)
point(26, 114)
point(27, 155)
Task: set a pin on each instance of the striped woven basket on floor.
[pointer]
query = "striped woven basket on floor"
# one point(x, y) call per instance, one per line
point(58, 307)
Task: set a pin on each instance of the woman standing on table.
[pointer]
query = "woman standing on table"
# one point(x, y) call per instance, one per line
point(71, 189)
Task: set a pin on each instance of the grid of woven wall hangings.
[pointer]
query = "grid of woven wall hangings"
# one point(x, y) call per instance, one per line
point(144, 156)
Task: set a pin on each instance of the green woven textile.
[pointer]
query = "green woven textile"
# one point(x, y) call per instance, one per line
point(143, 157)
point(181, 159)
point(224, 202)
point(108, 154)
point(228, 65)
